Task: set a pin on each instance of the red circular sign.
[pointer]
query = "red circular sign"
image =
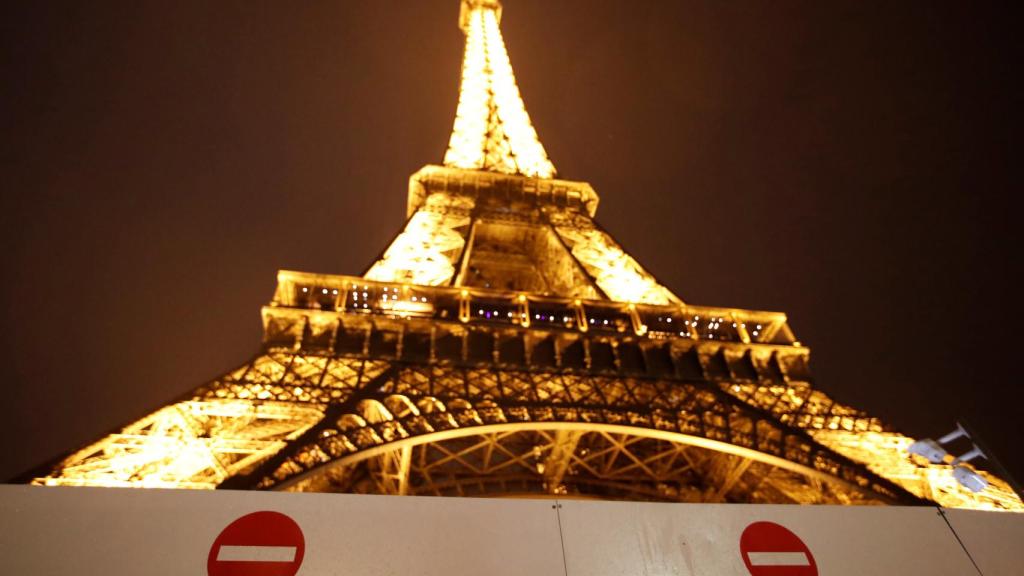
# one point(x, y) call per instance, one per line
point(769, 549)
point(257, 544)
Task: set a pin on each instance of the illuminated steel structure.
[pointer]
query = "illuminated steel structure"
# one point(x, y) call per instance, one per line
point(504, 344)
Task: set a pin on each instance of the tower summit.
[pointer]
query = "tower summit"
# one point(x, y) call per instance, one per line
point(505, 344)
point(492, 129)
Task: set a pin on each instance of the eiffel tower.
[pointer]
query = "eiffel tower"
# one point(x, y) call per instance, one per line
point(505, 345)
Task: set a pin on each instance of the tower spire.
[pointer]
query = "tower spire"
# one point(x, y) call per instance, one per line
point(492, 130)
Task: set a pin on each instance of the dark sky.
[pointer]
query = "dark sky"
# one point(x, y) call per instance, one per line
point(848, 163)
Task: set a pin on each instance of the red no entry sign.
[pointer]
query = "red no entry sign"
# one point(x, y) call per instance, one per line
point(257, 544)
point(769, 549)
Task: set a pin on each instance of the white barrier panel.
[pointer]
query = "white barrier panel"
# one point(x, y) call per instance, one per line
point(994, 539)
point(111, 532)
point(635, 538)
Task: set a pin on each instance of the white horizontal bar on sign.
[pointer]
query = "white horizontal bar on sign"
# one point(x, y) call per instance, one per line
point(256, 554)
point(778, 559)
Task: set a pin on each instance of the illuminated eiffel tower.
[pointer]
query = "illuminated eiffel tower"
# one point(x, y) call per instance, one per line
point(504, 344)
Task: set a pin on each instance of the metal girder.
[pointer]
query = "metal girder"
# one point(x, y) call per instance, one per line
point(559, 366)
point(563, 447)
point(392, 471)
point(249, 418)
point(441, 398)
point(603, 465)
point(196, 444)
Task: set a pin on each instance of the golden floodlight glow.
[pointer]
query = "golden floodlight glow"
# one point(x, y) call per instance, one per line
point(195, 444)
point(492, 130)
point(886, 453)
point(423, 252)
point(505, 344)
point(618, 275)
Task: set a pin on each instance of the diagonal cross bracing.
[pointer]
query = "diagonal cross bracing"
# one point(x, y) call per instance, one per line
point(492, 130)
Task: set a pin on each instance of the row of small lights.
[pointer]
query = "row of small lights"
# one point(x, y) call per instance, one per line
point(356, 293)
point(355, 296)
point(335, 292)
point(550, 318)
point(713, 324)
point(510, 314)
point(489, 313)
point(546, 318)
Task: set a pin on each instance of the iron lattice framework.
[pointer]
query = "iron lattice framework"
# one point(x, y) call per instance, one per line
point(504, 344)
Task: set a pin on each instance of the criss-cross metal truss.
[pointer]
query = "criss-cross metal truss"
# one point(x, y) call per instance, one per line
point(403, 389)
point(191, 444)
point(492, 130)
point(504, 344)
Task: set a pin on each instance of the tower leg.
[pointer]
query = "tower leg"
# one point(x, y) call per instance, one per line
point(392, 472)
point(557, 463)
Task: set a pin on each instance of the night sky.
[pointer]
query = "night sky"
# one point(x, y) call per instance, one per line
point(848, 163)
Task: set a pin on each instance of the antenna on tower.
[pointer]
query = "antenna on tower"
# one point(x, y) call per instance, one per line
point(468, 6)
